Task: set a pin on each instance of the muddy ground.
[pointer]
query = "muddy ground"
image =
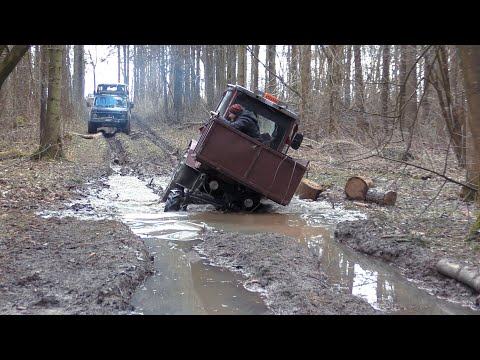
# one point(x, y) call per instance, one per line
point(72, 266)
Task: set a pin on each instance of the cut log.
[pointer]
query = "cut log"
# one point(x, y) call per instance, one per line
point(380, 197)
point(93, 136)
point(467, 275)
point(357, 186)
point(308, 189)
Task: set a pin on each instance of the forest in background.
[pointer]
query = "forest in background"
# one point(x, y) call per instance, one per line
point(416, 99)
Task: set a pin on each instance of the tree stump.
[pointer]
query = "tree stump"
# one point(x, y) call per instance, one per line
point(357, 186)
point(308, 189)
point(382, 198)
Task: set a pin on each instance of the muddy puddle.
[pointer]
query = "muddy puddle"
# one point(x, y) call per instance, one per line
point(185, 283)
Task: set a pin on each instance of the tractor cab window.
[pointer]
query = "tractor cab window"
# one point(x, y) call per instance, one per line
point(273, 123)
point(223, 106)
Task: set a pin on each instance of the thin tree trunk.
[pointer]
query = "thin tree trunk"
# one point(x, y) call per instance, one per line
point(220, 69)
point(43, 88)
point(254, 69)
point(271, 80)
point(359, 90)
point(51, 142)
point(348, 83)
point(410, 97)
point(231, 64)
point(79, 76)
point(470, 62)
point(293, 70)
point(305, 83)
point(209, 76)
point(384, 89)
point(242, 65)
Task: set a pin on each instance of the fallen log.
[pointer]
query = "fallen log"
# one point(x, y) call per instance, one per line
point(382, 198)
point(467, 275)
point(308, 189)
point(357, 186)
point(96, 135)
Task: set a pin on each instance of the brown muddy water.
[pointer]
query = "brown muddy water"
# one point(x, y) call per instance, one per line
point(185, 283)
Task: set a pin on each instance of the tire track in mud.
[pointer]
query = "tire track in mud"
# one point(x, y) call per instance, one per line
point(169, 150)
point(118, 154)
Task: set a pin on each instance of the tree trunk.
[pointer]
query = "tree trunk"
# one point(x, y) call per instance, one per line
point(43, 88)
point(410, 97)
point(347, 91)
point(119, 62)
point(293, 70)
point(242, 65)
point(305, 81)
point(231, 64)
point(11, 60)
point(270, 78)
point(357, 186)
point(220, 70)
point(470, 62)
point(209, 76)
point(384, 88)
point(51, 142)
point(359, 90)
point(178, 88)
point(254, 67)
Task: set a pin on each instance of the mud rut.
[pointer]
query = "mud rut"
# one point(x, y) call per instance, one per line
point(145, 168)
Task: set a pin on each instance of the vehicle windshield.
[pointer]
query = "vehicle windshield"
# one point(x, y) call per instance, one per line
point(273, 123)
point(111, 101)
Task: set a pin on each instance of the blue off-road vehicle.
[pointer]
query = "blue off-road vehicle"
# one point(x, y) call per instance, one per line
point(111, 107)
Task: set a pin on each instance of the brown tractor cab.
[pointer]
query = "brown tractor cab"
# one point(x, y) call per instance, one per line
point(233, 171)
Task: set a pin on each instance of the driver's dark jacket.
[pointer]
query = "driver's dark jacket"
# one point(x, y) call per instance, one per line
point(247, 123)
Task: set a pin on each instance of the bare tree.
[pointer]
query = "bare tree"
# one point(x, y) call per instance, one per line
point(411, 104)
point(470, 63)
point(242, 65)
point(78, 74)
point(178, 84)
point(293, 69)
point(254, 67)
point(305, 80)
point(209, 76)
point(220, 69)
point(359, 90)
point(231, 64)
point(270, 79)
point(11, 59)
point(51, 145)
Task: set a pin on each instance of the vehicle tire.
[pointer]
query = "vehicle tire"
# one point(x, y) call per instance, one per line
point(126, 129)
point(173, 179)
point(92, 129)
point(174, 200)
